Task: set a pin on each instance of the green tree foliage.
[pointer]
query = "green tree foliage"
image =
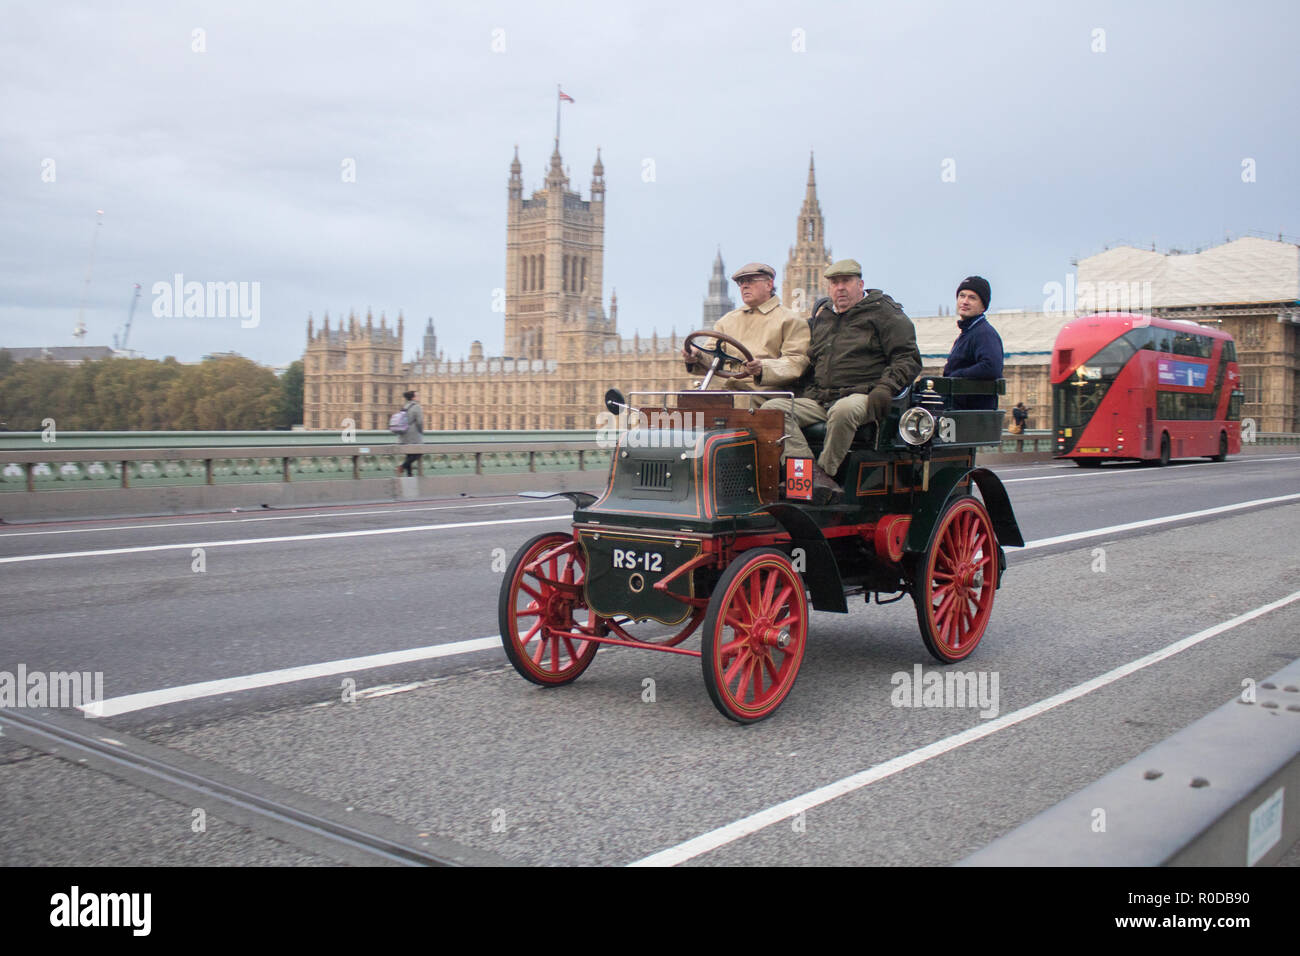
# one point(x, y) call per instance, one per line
point(32, 391)
point(289, 411)
point(116, 394)
point(224, 393)
point(122, 395)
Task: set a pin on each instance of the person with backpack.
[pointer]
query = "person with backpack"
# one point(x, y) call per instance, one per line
point(408, 425)
point(1021, 416)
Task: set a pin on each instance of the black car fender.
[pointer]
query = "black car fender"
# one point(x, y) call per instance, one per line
point(821, 574)
point(996, 502)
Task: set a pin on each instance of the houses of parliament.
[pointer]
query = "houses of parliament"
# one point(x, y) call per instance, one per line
point(563, 348)
point(562, 345)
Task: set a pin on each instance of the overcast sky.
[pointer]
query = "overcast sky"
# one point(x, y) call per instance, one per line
point(220, 155)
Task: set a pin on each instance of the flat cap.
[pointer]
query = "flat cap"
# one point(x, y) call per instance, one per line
point(845, 267)
point(753, 269)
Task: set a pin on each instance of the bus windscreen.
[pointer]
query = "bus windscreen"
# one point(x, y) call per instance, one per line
point(1079, 396)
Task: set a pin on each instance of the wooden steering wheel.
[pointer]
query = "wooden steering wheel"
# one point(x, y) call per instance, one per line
point(720, 356)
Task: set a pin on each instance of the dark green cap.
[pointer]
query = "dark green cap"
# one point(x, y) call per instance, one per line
point(845, 267)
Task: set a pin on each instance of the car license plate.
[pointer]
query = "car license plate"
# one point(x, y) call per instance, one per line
point(1088, 451)
point(630, 559)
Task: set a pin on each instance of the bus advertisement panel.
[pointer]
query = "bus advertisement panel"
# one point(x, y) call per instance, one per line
point(1127, 386)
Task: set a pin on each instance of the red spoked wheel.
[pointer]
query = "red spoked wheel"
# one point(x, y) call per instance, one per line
point(755, 631)
point(955, 581)
point(539, 610)
point(622, 626)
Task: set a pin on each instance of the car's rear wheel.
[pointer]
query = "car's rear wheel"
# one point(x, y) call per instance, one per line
point(955, 581)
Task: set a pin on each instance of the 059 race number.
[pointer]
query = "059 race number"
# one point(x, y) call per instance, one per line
point(628, 559)
point(798, 478)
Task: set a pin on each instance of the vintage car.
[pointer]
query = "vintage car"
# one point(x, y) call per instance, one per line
point(699, 523)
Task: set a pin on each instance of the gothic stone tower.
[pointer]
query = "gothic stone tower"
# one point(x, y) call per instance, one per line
point(352, 372)
point(717, 304)
point(809, 257)
point(555, 248)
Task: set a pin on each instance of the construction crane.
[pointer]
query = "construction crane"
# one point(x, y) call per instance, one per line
point(79, 332)
point(130, 313)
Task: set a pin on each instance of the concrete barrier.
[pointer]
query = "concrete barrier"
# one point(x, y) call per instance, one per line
point(1223, 792)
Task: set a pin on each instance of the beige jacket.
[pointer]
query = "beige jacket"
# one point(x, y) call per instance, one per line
point(776, 336)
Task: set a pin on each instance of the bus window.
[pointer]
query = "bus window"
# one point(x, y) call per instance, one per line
point(1186, 406)
point(1112, 358)
point(1142, 338)
point(1164, 340)
point(1171, 406)
point(1189, 343)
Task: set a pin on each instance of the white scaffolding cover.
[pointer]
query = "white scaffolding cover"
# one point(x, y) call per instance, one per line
point(1243, 271)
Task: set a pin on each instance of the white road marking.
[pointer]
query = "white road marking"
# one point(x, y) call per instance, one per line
point(366, 532)
point(211, 688)
point(145, 526)
point(137, 549)
point(1151, 522)
point(387, 690)
point(172, 695)
point(754, 822)
point(1112, 472)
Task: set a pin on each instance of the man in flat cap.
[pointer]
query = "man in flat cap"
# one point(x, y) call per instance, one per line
point(863, 352)
point(977, 353)
point(777, 338)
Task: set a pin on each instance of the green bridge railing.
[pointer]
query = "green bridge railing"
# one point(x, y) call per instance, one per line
point(83, 461)
point(24, 441)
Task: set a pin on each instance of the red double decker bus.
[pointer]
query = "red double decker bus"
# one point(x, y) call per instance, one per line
point(1128, 386)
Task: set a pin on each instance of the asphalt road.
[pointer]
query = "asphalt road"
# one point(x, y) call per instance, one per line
point(595, 773)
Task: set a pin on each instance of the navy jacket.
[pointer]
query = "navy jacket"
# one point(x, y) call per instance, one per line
point(977, 353)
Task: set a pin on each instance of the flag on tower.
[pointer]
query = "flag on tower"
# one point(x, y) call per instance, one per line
point(565, 97)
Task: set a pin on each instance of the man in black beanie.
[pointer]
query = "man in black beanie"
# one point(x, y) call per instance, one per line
point(977, 353)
